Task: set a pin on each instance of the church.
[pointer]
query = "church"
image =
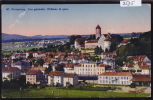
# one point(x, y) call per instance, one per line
point(102, 40)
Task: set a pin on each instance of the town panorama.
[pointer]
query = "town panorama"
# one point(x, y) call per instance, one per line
point(99, 65)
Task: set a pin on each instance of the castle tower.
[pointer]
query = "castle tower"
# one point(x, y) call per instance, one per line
point(98, 31)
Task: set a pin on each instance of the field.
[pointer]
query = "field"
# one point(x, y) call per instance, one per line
point(54, 92)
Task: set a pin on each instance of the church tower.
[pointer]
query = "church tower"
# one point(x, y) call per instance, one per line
point(98, 31)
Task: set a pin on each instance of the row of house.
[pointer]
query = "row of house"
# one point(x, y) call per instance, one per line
point(36, 76)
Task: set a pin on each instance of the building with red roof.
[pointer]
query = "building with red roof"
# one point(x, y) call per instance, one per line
point(34, 76)
point(55, 77)
point(120, 78)
point(70, 79)
point(9, 73)
point(124, 42)
point(141, 79)
point(101, 40)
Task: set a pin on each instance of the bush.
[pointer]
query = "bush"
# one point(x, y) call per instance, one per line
point(132, 85)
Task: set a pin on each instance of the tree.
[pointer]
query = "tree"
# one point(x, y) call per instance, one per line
point(30, 56)
point(96, 50)
point(41, 62)
point(59, 68)
point(49, 69)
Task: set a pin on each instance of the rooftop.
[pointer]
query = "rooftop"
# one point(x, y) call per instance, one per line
point(32, 72)
point(10, 69)
point(141, 77)
point(69, 75)
point(117, 73)
point(56, 73)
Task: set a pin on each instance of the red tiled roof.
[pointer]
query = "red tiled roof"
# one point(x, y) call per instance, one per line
point(103, 65)
point(82, 45)
point(9, 69)
point(70, 65)
point(98, 27)
point(92, 41)
point(56, 73)
point(32, 72)
point(125, 41)
point(69, 75)
point(39, 68)
point(139, 58)
point(145, 67)
point(141, 78)
point(141, 63)
point(117, 73)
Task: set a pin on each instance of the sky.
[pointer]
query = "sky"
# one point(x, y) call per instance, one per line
point(76, 19)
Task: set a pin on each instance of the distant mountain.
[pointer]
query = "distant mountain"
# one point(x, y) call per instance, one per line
point(9, 37)
point(127, 35)
point(12, 36)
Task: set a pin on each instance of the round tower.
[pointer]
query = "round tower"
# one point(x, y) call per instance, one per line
point(98, 31)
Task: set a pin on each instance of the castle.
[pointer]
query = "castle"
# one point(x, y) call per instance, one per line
point(102, 40)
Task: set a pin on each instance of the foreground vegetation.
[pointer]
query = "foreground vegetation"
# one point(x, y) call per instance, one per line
point(56, 92)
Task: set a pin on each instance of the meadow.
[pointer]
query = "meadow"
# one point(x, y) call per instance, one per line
point(56, 92)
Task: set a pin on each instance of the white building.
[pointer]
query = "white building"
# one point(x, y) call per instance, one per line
point(55, 77)
point(9, 73)
point(128, 66)
point(89, 68)
point(18, 55)
point(102, 40)
point(146, 70)
point(120, 78)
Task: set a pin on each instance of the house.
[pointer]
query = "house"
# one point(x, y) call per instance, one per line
point(142, 58)
point(120, 78)
point(55, 77)
point(141, 79)
point(35, 54)
point(18, 55)
point(22, 65)
point(124, 42)
point(34, 77)
point(90, 68)
point(70, 79)
point(9, 73)
point(146, 70)
point(128, 66)
point(108, 55)
point(86, 68)
point(42, 69)
point(77, 43)
point(110, 62)
point(69, 68)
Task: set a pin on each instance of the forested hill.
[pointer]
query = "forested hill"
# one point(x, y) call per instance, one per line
point(138, 46)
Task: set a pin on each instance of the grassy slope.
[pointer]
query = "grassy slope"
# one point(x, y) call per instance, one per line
point(61, 93)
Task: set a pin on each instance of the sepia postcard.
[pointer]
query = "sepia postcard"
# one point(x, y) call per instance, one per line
point(75, 51)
